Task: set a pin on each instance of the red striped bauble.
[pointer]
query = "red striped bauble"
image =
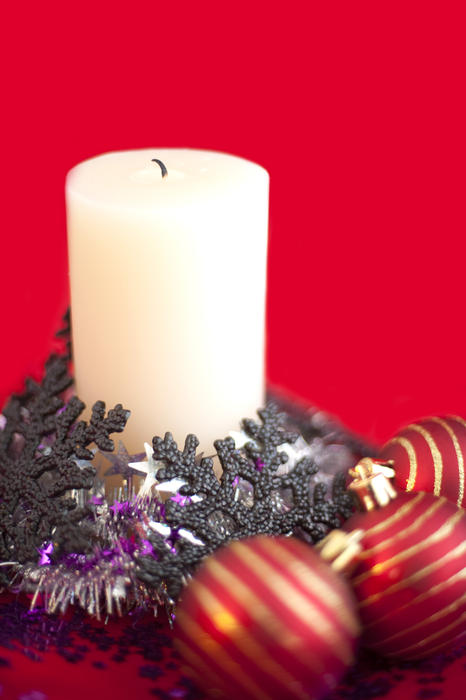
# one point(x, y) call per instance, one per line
point(267, 618)
point(430, 455)
point(410, 581)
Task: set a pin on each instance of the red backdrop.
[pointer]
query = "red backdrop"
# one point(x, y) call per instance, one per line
point(356, 109)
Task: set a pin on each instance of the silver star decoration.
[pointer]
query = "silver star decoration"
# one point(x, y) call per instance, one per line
point(187, 535)
point(240, 438)
point(295, 451)
point(120, 461)
point(80, 462)
point(150, 468)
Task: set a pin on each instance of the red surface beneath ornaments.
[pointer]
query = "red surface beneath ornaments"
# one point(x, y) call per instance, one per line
point(140, 660)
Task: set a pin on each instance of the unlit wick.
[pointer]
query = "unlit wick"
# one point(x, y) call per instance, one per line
point(162, 166)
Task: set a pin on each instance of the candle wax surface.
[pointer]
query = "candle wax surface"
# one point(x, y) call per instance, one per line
point(168, 280)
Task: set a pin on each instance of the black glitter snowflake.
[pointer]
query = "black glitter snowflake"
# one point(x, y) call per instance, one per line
point(249, 498)
point(44, 454)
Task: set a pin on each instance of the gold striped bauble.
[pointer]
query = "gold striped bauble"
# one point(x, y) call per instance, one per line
point(410, 581)
point(267, 618)
point(430, 455)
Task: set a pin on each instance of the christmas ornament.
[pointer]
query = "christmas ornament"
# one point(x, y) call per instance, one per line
point(266, 618)
point(410, 581)
point(430, 456)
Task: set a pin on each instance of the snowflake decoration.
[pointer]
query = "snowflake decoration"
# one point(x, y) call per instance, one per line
point(251, 497)
point(44, 454)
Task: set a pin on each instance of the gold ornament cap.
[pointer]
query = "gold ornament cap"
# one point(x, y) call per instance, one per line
point(371, 483)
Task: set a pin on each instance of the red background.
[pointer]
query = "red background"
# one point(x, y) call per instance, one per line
point(358, 112)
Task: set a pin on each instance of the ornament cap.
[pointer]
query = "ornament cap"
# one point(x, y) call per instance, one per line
point(371, 483)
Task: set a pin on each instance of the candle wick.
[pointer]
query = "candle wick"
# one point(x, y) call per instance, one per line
point(162, 167)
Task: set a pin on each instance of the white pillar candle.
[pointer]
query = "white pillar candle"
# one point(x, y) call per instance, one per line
point(168, 279)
